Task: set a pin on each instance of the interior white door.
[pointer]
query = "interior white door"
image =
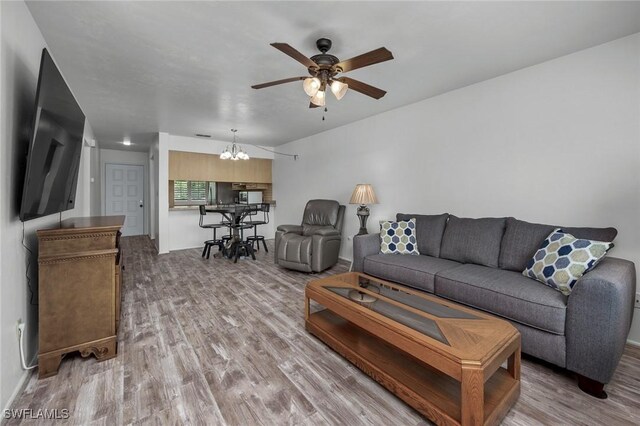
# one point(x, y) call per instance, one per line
point(124, 187)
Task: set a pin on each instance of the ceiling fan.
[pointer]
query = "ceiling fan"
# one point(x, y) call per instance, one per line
point(324, 68)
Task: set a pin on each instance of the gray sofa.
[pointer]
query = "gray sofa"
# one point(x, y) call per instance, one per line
point(314, 245)
point(479, 263)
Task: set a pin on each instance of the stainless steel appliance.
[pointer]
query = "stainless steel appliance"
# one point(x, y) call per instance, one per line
point(250, 197)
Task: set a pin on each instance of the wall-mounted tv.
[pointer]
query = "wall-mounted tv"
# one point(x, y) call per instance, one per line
point(55, 145)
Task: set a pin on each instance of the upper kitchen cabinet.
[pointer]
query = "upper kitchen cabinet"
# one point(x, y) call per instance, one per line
point(209, 167)
point(257, 170)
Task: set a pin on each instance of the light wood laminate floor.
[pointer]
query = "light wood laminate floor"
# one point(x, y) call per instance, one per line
point(212, 342)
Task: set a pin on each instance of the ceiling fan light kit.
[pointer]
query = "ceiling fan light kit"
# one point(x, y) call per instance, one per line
point(311, 85)
point(324, 69)
point(339, 89)
point(318, 99)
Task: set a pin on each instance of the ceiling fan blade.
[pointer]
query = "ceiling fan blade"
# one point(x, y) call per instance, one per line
point(274, 83)
point(285, 48)
point(363, 88)
point(312, 105)
point(366, 59)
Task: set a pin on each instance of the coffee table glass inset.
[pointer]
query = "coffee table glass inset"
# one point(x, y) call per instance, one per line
point(443, 359)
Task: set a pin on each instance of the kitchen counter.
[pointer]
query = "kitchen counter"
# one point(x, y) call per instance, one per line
point(185, 233)
point(183, 208)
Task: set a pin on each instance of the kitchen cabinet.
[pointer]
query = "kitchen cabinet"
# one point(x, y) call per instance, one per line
point(209, 167)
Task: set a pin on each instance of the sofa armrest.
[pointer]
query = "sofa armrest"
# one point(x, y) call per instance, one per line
point(363, 246)
point(290, 228)
point(599, 314)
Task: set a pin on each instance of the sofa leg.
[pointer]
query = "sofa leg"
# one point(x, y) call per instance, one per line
point(591, 387)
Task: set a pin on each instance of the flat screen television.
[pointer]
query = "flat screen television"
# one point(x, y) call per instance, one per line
point(55, 145)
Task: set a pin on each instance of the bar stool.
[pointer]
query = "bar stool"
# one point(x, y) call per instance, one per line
point(215, 226)
point(243, 247)
point(255, 238)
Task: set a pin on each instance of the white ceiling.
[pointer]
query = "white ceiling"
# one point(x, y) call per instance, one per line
point(187, 67)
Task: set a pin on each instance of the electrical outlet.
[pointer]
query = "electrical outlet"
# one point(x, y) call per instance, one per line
point(637, 304)
point(19, 327)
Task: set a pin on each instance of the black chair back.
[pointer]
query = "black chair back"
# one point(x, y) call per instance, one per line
point(203, 212)
point(265, 211)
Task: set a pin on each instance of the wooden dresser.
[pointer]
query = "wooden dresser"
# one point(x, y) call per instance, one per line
point(80, 279)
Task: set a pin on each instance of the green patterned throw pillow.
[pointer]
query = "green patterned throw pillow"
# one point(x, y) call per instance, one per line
point(398, 237)
point(563, 259)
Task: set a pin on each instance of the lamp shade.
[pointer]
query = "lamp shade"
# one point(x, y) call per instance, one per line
point(363, 194)
point(318, 98)
point(311, 85)
point(339, 89)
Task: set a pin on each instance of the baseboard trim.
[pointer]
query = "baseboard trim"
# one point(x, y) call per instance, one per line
point(18, 389)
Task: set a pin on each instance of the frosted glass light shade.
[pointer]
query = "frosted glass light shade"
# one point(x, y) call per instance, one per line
point(318, 99)
point(226, 154)
point(339, 89)
point(243, 155)
point(363, 194)
point(311, 86)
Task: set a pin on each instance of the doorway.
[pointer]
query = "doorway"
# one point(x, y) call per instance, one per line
point(124, 186)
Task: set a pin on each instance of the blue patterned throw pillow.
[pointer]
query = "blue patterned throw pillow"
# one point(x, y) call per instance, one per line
point(563, 259)
point(398, 237)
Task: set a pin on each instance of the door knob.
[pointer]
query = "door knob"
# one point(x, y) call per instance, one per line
point(141, 205)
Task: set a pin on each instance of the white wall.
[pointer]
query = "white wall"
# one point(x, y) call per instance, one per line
point(162, 240)
point(95, 180)
point(183, 230)
point(83, 191)
point(153, 189)
point(114, 156)
point(20, 51)
point(556, 143)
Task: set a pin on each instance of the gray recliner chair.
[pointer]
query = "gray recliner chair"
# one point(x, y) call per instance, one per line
point(313, 246)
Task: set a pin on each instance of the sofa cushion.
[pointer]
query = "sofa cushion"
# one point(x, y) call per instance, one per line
point(522, 239)
point(473, 240)
point(563, 259)
point(429, 230)
point(398, 237)
point(414, 271)
point(505, 293)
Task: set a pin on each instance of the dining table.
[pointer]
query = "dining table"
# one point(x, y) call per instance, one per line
point(234, 214)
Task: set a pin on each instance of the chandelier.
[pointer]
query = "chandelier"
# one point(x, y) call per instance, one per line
point(235, 152)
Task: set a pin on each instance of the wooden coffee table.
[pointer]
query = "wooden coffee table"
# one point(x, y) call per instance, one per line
point(443, 359)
